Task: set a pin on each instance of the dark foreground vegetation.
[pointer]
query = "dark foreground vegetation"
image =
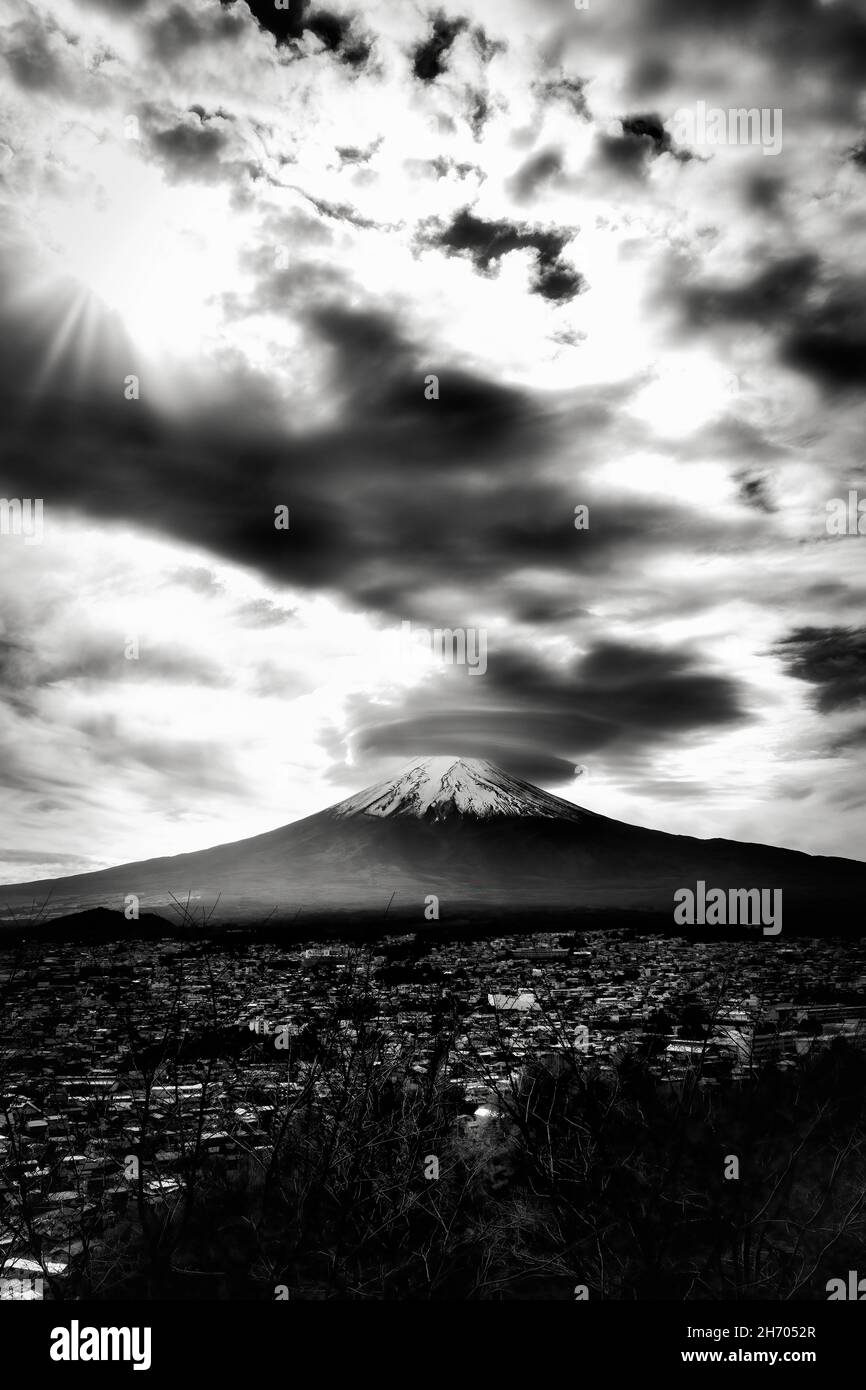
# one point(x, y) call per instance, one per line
point(375, 1179)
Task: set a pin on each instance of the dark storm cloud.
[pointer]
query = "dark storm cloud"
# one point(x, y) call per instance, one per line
point(650, 127)
point(831, 343)
point(651, 75)
point(536, 171)
point(430, 61)
point(852, 738)
point(395, 497)
point(776, 292)
point(621, 154)
point(807, 57)
point(460, 510)
point(525, 711)
point(833, 659)
point(643, 139)
point(559, 282)
point(285, 23)
point(819, 319)
point(798, 34)
point(486, 242)
point(198, 145)
point(430, 58)
point(97, 452)
point(337, 33)
point(763, 192)
point(190, 149)
point(570, 90)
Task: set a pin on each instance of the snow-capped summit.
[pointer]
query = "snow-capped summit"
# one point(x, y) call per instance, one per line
point(444, 787)
point(483, 842)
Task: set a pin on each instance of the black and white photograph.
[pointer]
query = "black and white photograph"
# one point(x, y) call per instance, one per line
point(432, 667)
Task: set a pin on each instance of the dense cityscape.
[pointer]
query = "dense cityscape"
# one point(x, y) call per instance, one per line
point(124, 1066)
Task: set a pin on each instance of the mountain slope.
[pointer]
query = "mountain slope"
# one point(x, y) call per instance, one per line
point(465, 831)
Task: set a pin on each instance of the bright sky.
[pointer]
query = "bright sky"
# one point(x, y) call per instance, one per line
point(281, 240)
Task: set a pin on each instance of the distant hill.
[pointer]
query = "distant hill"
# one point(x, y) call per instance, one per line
point(94, 924)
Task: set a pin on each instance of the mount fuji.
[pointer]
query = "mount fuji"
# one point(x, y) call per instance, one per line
point(481, 840)
point(441, 789)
